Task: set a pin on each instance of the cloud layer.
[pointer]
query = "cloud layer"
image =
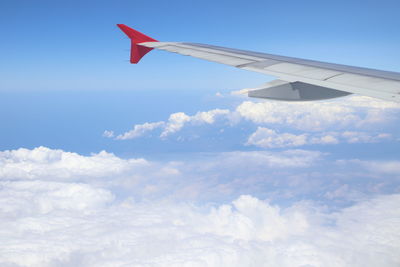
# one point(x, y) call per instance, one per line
point(64, 209)
point(287, 124)
point(268, 138)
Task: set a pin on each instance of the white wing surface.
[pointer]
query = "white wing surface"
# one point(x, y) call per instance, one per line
point(298, 79)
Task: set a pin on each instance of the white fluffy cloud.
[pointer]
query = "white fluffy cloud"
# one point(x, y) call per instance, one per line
point(320, 115)
point(352, 120)
point(64, 209)
point(268, 138)
point(62, 231)
point(144, 178)
point(175, 123)
point(44, 163)
point(139, 130)
point(33, 198)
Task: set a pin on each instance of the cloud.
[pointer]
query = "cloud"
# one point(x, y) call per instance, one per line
point(108, 134)
point(268, 138)
point(350, 120)
point(178, 120)
point(55, 164)
point(61, 231)
point(139, 130)
point(284, 159)
point(360, 137)
point(320, 115)
point(60, 208)
point(175, 123)
point(33, 198)
point(326, 138)
point(147, 179)
point(376, 166)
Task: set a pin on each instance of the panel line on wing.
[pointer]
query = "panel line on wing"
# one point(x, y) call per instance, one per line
point(333, 76)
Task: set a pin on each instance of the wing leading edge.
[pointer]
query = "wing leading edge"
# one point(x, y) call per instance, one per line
point(298, 79)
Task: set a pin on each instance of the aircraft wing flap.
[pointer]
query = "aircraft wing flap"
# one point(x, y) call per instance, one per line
point(294, 91)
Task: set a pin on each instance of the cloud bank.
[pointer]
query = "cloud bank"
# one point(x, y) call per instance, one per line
point(269, 138)
point(347, 120)
point(64, 209)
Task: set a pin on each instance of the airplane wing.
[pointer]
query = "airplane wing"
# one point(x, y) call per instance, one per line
point(298, 79)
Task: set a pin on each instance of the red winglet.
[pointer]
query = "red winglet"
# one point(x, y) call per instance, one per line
point(137, 50)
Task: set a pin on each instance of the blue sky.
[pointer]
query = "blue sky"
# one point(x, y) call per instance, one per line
point(75, 45)
point(72, 57)
point(98, 155)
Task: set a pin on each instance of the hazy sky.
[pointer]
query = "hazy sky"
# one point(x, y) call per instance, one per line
point(105, 163)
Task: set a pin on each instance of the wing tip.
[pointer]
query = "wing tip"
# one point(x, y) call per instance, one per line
point(136, 36)
point(137, 51)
